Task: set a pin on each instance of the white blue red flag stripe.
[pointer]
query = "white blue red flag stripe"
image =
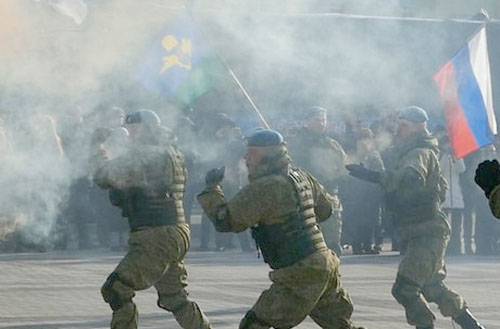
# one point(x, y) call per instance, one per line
point(465, 87)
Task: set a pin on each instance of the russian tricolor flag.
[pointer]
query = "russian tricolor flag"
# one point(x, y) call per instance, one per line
point(465, 87)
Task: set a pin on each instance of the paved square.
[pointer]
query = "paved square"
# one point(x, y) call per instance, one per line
point(61, 290)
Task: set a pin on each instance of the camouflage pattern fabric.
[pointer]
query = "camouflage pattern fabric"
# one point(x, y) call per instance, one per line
point(414, 186)
point(310, 286)
point(156, 252)
point(155, 258)
point(325, 158)
point(421, 274)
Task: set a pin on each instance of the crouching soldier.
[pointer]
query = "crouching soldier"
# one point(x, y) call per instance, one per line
point(282, 206)
point(147, 183)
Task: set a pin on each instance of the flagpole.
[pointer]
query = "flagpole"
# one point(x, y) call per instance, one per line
point(231, 72)
point(244, 91)
point(240, 86)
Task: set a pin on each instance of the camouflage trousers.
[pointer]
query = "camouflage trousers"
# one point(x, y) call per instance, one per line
point(155, 258)
point(310, 287)
point(420, 280)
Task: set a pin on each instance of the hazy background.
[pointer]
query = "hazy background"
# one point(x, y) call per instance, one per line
point(68, 58)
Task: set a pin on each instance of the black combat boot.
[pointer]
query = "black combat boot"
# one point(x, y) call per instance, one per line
point(467, 321)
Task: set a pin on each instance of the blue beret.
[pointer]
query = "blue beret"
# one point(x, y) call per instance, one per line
point(265, 137)
point(414, 114)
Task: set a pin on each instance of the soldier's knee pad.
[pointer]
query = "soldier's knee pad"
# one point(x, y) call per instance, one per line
point(115, 292)
point(449, 302)
point(405, 291)
point(452, 305)
point(250, 321)
point(173, 302)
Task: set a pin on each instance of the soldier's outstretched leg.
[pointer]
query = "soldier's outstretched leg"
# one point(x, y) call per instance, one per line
point(138, 270)
point(296, 293)
point(422, 264)
point(335, 308)
point(119, 296)
point(409, 295)
point(151, 252)
point(293, 294)
point(283, 305)
point(451, 304)
point(173, 297)
point(467, 321)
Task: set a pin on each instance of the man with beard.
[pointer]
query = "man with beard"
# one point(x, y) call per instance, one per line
point(415, 189)
point(312, 149)
point(148, 184)
point(282, 206)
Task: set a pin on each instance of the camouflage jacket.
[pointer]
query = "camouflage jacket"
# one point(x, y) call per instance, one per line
point(267, 199)
point(415, 187)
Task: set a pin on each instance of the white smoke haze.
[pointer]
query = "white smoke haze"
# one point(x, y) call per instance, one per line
point(53, 64)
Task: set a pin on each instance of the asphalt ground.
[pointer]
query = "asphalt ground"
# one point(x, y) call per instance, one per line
point(59, 290)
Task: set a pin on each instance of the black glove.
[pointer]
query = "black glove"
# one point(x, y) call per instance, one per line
point(488, 176)
point(359, 171)
point(214, 176)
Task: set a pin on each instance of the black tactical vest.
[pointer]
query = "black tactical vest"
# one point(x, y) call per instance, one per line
point(299, 236)
point(158, 204)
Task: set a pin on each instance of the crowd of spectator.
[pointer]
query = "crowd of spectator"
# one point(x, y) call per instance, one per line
point(49, 200)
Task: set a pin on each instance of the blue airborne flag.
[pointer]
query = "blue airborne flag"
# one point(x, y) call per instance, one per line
point(179, 63)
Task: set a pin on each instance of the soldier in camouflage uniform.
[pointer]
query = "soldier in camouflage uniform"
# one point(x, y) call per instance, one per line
point(488, 179)
point(312, 149)
point(415, 187)
point(148, 183)
point(282, 205)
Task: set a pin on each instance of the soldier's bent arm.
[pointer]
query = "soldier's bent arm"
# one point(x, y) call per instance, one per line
point(260, 201)
point(109, 174)
point(322, 200)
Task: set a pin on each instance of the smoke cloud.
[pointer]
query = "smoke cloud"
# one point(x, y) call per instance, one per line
point(56, 71)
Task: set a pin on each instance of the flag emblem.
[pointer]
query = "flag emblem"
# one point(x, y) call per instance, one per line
point(464, 85)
